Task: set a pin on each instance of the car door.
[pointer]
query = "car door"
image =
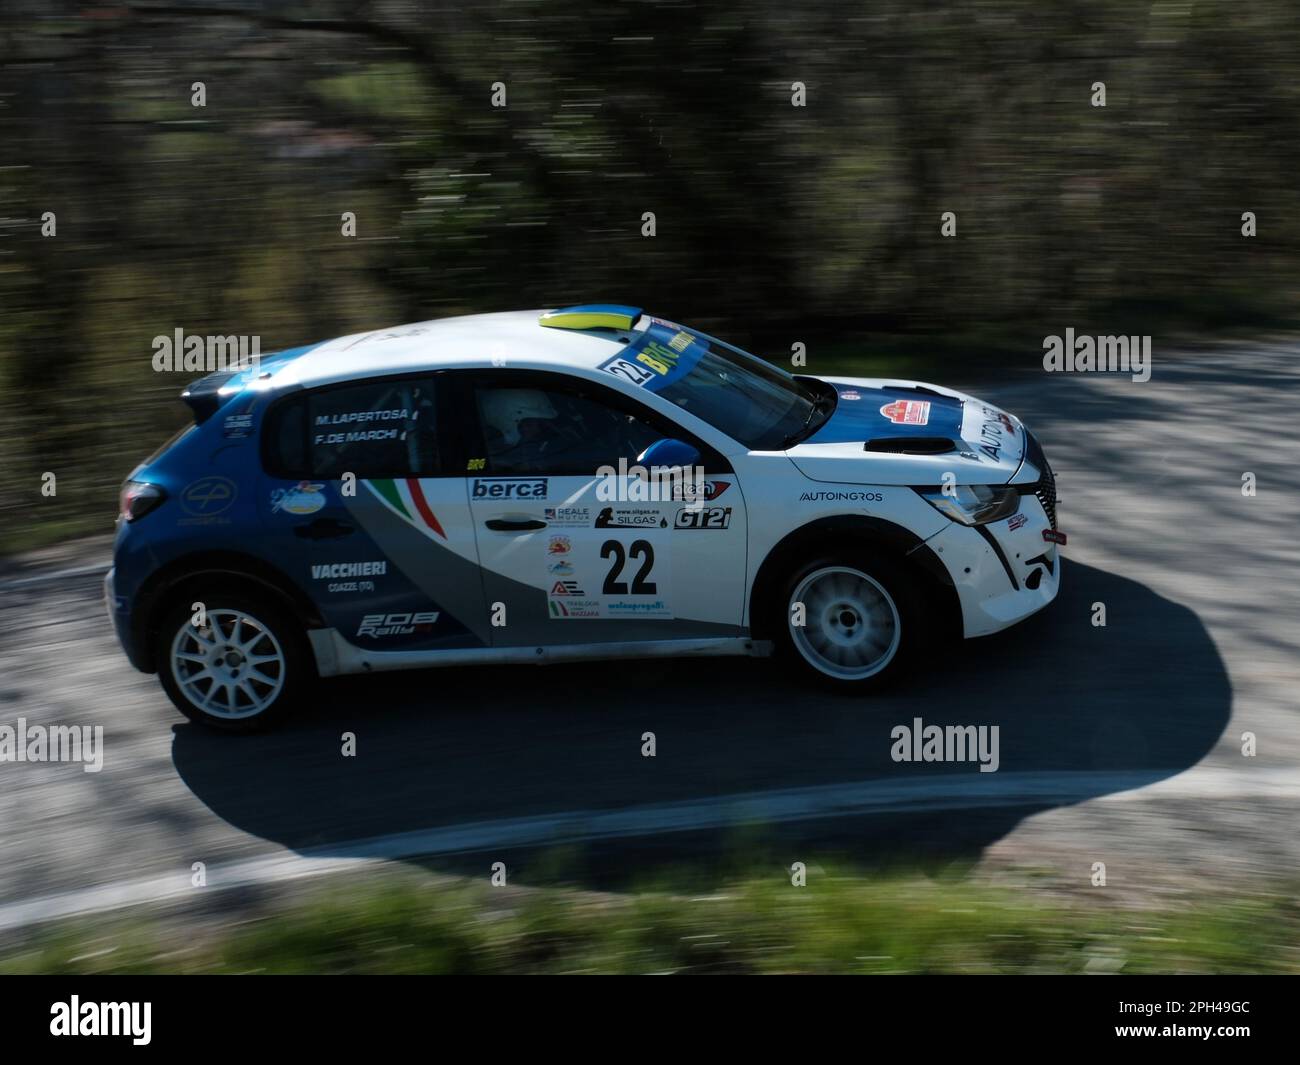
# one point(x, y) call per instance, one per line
point(373, 515)
point(569, 558)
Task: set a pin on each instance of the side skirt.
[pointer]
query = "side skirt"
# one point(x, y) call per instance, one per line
point(335, 656)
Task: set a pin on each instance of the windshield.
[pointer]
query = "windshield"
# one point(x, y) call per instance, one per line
point(762, 407)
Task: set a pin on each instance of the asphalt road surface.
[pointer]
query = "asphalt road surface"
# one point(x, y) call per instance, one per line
point(1119, 744)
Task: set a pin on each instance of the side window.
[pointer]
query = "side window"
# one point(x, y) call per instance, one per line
point(555, 430)
point(383, 428)
point(285, 439)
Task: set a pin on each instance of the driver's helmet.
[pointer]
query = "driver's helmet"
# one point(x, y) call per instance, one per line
point(505, 409)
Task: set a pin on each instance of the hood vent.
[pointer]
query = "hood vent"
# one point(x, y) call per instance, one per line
point(911, 445)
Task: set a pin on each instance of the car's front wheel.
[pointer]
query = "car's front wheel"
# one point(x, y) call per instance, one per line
point(232, 662)
point(848, 624)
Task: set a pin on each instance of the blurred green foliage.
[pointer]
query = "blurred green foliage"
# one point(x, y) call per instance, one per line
point(775, 223)
point(841, 922)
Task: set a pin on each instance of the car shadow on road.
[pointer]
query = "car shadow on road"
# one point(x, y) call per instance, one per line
point(1082, 710)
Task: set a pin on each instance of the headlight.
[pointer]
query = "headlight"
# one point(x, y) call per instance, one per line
point(974, 504)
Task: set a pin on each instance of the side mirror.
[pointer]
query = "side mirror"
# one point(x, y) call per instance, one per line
point(669, 452)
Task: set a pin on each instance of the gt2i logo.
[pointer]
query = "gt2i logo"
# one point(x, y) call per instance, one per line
point(376, 625)
point(509, 488)
point(704, 518)
point(640, 585)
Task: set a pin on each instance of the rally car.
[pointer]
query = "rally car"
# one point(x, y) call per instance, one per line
point(539, 486)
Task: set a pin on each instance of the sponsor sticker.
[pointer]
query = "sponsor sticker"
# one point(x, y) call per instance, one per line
point(560, 569)
point(337, 571)
point(237, 426)
point(627, 370)
point(566, 588)
point(907, 411)
point(630, 518)
point(659, 356)
point(574, 608)
point(1015, 521)
point(703, 518)
point(850, 395)
point(499, 488)
point(996, 430)
point(302, 498)
point(559, 545)
point(562, 516)
point(691, 491)
point(851, 496)
point(1054, 536)
point(627, 608)
point(208, 496)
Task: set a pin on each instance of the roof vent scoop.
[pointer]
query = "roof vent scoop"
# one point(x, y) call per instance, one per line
point(592, 316)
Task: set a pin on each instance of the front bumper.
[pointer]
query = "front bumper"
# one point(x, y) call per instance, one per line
point(120, 617)
point(1001, 574)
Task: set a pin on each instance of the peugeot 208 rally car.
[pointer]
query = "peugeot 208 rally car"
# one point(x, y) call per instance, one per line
point(441, 493)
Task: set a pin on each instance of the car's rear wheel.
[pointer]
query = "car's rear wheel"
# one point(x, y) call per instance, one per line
point(848, 624)
point(241, 669)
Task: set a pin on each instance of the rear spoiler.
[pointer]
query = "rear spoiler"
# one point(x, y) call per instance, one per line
point(204, 395)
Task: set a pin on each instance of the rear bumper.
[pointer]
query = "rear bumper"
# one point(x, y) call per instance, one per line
point(1001, 575)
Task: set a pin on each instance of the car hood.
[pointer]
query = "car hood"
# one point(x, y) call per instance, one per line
point(905, 432)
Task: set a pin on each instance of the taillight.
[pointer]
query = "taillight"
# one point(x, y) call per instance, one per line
point(138, 498)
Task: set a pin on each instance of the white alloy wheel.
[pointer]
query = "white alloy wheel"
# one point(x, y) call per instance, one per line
point(232, 668)
point(852, 629)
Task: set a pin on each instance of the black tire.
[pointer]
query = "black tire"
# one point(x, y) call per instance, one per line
point(292, 674)
point(887, 616)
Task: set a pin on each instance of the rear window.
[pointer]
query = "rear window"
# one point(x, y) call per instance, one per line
point(384, 428)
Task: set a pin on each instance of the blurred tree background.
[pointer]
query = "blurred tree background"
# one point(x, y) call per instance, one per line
point(775, 223)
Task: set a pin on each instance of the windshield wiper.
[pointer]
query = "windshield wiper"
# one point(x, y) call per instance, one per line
point(824, 399)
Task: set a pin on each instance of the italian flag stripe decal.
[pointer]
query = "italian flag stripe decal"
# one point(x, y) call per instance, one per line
point(406, 498)
point(422, 505)
point(388, 491)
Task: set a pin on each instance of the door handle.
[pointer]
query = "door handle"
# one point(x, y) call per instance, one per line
point(324, 529)
point(514, 524)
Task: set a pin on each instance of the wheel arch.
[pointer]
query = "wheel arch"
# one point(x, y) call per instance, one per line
point(850, 533)
point(236, 570)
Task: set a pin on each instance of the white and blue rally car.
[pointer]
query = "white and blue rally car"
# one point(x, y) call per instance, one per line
point(591, 482)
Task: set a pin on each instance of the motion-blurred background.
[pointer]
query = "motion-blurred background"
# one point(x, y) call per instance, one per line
point(775, 223)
